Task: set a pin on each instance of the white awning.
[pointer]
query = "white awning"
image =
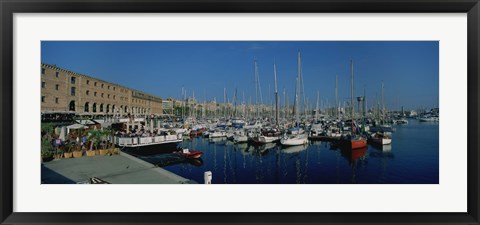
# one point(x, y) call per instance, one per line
point(76, 126)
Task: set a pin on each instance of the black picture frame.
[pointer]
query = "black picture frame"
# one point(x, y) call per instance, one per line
point(9, 7)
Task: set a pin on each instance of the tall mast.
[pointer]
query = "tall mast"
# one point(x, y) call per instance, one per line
point(225, 102)
point(256, 87)
point(276, 93)
point(243, 105)
point(336, 97)
point(183, 104)
point(297, 90)
point(204, 108)
point(352, 103)
point(383, 105)
point(235, 103)
point(316, 110)
point(285, 116)
point(303, 92)
point(365, 99)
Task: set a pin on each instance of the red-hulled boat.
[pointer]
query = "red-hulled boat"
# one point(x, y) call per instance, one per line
point(189, 153)
point(197, 132)
point(360, 143)
point(353, 141)
point(350, 142)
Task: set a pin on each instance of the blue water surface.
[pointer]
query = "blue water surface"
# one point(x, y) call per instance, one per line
point(412, 158)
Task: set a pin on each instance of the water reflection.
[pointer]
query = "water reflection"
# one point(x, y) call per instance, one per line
point(318, 162)
point(294, 149)
point(167, 159)
point(352, 155)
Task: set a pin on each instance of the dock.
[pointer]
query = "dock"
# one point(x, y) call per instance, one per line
point(115, 169)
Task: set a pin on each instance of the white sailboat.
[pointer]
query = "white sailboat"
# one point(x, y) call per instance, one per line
point(296, 136)
point(239, 136)
point(271, 135)
point(381, 137)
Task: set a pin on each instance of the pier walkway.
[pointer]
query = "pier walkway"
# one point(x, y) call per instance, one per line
point(116, 169)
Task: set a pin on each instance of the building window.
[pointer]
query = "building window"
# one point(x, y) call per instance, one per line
point(95, 84)
point(113, 96)
point(72, 91)
point(43, 84)
point(87, 92)
point(88, 81)
point(102, 85)
point(102, 95)
point(72, 106)
point(86, 107)
point(43, 98)
point(57, 86)
point(56, 74)
point(101, 107)
point(94, 109)
point(95, 94)
point(72, 80)
point(108, 87)
point(56, 100)
point(108, 96)
point(43, 70)
point(114, 88)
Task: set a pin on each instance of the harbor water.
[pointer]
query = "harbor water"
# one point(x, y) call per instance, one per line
point(412, 158)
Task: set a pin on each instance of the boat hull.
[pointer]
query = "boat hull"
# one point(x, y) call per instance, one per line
point(381, 141)
point(265, 139)
point(191, 154)
point(240, 139)
point(152, 149)
point(356, 144)
point(353, 144)
point(293, 141)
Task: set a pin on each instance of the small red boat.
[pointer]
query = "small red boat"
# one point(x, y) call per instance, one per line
point(197, 132)
point(361, 143)
point(353, 143)
point(190, 153)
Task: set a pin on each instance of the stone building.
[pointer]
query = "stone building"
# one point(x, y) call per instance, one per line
point(66, 91)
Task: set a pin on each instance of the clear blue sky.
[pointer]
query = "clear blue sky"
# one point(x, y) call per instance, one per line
point(409, 69)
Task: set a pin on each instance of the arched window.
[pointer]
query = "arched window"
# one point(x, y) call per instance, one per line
point(108, 108)
point(86, 108)
point(125, 109)
point(71, 106)
point(113, 108)
point(94, 108)
point(101, 107)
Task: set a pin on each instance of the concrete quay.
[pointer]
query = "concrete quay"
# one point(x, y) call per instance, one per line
point(115, 169)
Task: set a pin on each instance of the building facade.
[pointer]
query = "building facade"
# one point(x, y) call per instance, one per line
point(66, 91)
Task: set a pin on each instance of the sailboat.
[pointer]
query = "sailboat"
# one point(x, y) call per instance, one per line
point(297, 135)
point(270, 135)
point(353, 141)
point(381, 136)
point(239, 136)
